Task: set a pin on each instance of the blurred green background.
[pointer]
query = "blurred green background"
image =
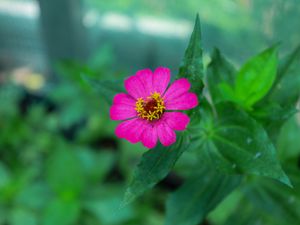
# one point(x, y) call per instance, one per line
point(60, 162)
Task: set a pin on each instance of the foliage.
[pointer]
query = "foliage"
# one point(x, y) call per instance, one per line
point(235, 134)
point(237, 163)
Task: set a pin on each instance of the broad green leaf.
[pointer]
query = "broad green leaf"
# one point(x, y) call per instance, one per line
point(192, 65)
point(219, 71)
point(200, 194)
point(106, 88)
point(236, 143)
point(155, 164)
point(286, 90)
point(61, 212)
point(227, 92)
point(62, 168)
point(256, 77)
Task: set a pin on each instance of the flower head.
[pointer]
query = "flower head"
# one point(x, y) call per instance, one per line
point(148, 110)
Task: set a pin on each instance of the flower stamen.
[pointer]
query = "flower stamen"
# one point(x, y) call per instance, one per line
point(152, 108)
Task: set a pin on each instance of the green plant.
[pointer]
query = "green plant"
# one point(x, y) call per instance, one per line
point(234, 135)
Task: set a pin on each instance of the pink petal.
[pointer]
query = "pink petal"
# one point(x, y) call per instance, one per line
point(123, 98)
point(122, 112)
point(183, 102)
point(177, 88)
point(146, 77)
point(176, 120)
point(135, 87)
point(131, 130)
point(166, 135)
point(149, 136)
point(161, 79)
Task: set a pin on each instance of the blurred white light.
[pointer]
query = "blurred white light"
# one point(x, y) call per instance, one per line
point(109, 21)
point(159, 27)
point(21, 9)
point(114, 21)
point(146, 25)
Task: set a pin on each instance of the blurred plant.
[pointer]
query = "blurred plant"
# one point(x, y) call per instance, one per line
point(59, 161)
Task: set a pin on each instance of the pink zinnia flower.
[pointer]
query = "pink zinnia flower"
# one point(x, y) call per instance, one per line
point(147, 109)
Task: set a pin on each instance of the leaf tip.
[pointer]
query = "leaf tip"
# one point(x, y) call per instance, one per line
point(197, 22)
point(285, 180)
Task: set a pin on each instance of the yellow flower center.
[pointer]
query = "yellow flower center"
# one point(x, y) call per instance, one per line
point(152, 108)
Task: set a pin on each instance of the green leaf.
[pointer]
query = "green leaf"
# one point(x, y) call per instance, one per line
point(155, 164)
point(219, 71)
point(200, 194)
point(106, 88)
point(286, 64)
point(192, 65)
point(256, 77)
point(236, 143)
point(286, 90)
point(63, 166)
point(227, 92)
point(61, 212)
